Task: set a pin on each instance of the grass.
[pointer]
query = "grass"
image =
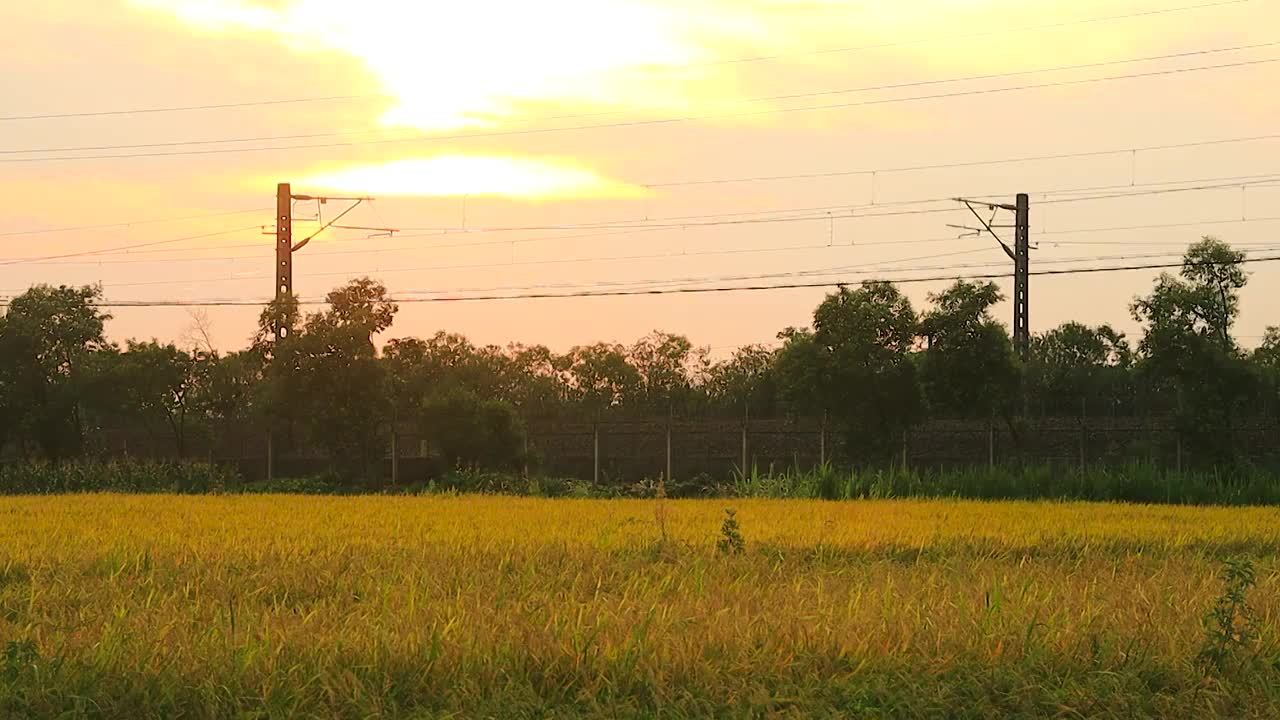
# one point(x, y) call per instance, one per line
point(118, 606)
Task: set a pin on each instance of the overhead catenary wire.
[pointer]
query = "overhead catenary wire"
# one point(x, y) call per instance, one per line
point(749, 100)
point(814, 214)
point(129, 247)
point(657, 68)
point(662, 121)
point(678, 291)
point(130, 223)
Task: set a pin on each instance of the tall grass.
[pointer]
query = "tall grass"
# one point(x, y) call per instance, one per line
point(1138, 482)
point(135, 476)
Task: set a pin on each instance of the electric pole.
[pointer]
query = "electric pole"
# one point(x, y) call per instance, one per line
point(284, 251)
point(286, 247)
point(1020, 254)
point(1022, 277)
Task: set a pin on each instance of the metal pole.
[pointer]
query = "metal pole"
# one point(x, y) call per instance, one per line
point(991, 446)
point(395, 456)
point(668, 475)
point(284, 249)
point(1022, 277)
point(746, 420)
point(822, 441)
point(271, 457)
point(595, 454)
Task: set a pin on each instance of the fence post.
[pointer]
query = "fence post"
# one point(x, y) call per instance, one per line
point(668, 476)
point(1083, 439)
point(395, 457)
point(595, 454)
point(991, 446)
point(822, 441)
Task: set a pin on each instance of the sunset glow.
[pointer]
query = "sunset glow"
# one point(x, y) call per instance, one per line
point(452, 175)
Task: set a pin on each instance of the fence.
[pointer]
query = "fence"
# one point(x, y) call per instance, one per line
point(630, 449)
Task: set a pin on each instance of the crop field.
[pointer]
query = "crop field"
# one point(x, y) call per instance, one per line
point(118, 606)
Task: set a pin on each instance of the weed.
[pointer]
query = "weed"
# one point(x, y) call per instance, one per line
point(731, 541)
point(1231, 626)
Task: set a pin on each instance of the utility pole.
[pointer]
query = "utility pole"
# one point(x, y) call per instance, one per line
point(282, 272)
point(284, 250)
point(1022, 277)
point(1020, 254)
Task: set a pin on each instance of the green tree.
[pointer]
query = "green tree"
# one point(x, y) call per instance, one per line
point(1188, 348)
point(1074, 367)
point(746, 382)
point(327, 377)
point(864, 338)
point(601, 377)
point(969, 366)
point(669, 368)
point(153, 383)
point(49, 335)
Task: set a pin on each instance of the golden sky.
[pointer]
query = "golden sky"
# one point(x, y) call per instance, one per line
point(477, 117)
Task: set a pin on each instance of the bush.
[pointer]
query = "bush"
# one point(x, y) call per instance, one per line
point(132, 476)
point(469, 431)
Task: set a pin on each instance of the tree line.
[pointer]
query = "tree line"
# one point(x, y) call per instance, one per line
point(870, 361)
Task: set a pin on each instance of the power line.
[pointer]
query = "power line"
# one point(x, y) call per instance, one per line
point(673, 223)
point(667, 121)
point(965, 164)
point(130, 247)
point(186, 108)
point(663, 68)
point(677, 291)
point(131, 223)
point(766, 98)
point(966, 36)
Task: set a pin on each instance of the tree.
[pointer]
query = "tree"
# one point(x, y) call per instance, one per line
point(1266, 357)
point(668, 368)
point(969, 366)
point(473, 432)
point(746, 382)
point(1074, 367)
point(601, 377)
point(328, 379)
point(49, 334)
point(154, 384)
point(228, 393)
point(863, 339)
point(1188, 349)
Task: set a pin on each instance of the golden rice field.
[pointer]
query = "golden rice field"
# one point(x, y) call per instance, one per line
point(118, 606)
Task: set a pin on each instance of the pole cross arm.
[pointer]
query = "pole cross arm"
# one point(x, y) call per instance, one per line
point(987, 225)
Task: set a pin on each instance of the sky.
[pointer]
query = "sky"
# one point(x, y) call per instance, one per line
point(572, 146)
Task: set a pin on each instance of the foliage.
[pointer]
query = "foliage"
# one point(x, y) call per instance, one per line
point(870, 365)
point(864, 338)
point(969, 368)
point(1074, 363)
point(327, 377)
point(1231, 626)
point(731, 541)
point(466, 430)
point(1189, 351)
point(137, 476)
point(48, 336)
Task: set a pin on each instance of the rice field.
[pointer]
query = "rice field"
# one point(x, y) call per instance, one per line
point(129, 606)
